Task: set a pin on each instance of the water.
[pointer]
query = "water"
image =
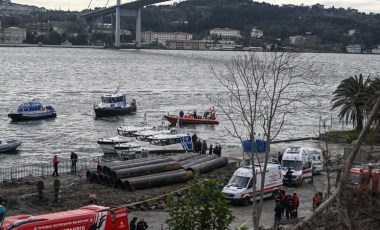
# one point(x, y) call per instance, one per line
point(72, 80)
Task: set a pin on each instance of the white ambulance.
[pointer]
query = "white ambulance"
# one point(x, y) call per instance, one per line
point(303, 162)
point(239, 188)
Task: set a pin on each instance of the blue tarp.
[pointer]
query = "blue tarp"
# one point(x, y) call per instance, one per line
point(260, 146)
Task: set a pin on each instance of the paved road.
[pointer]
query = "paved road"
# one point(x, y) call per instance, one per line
point(156, 220)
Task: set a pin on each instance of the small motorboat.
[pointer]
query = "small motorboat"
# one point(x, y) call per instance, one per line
point(159, 144)
point(192, 118)
point(129, 131)
point(114, 104)
point(107, 144)
point(144, 135)
point(10, 145)
point(33, 110)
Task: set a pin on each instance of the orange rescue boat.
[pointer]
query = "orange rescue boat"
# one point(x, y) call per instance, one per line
point(191, 118)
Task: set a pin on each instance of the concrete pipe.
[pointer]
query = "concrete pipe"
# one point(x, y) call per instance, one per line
point(107, 165)
point(94, 178)
point(100, 179)
point(185, 156)
point(198, 157)
point(144, 170)
point(89, 174)
point(199, 161)
point(209, 165)
point(108, 171)
point(110, 164)
point(107, 180)
point(120, 183)
point(160, 179)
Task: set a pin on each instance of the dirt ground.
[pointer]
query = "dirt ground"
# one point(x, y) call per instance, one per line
point(22, 196)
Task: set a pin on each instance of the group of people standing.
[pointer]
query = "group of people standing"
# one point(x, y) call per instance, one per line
point(140, 225)
point(286, 204)
point(74, 160)
point(201, 147)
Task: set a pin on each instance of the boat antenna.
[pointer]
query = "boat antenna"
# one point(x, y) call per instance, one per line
point(144, 118)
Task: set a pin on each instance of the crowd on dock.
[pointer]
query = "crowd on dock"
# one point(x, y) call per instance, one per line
point(200, 146)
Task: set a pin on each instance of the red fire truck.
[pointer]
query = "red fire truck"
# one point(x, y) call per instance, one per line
point(366, 178)
point(90, 217)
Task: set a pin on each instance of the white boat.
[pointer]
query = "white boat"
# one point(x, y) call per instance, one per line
point(114, 104)
point(144, 135)
point(107, 144)
point(129, 131)
point(158, 144)
point(9, 145)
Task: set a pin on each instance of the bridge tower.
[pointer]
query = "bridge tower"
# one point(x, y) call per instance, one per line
point(130, 9)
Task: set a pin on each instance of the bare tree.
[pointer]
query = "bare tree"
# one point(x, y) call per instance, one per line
point(337, 195)
point(262, 89)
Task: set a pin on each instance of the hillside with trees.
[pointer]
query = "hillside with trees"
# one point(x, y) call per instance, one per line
point(328, 28)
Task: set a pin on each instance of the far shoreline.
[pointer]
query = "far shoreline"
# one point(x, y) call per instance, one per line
point(144, 48)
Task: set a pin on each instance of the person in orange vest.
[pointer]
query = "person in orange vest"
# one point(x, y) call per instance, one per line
point(296, 202)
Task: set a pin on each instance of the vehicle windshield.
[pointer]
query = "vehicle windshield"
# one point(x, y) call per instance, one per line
point(295, 165)
point(239, 181)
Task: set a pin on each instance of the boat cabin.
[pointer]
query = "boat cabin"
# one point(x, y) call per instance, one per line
point(169, 139)
point(34, 105)
point(118, 99)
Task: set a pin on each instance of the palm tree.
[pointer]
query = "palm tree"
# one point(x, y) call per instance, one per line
point(352, 95)
point(373, 93)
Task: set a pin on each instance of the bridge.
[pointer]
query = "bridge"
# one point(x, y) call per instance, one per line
point(129, 9)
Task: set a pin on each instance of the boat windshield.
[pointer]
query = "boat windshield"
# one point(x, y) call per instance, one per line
point(239, 181)
point(168, 141)
point(295, 165)
point(113, 99)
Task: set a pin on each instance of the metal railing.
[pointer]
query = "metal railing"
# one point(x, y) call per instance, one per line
point(44, 169)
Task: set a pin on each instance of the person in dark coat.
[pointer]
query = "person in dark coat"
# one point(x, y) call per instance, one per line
point(289, 206)
point(141, 225)
point(219, 150)
point(74, 159)
point(204, 147)
point(288, 177)
point(194, 140)
point(210, 151)
point(199, 146)
point(278, 210)
point(133, 224)
point(279, 158)
point(181, 114)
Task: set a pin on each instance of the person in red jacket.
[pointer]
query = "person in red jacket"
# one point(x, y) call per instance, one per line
point(296, 202)
point(317, 200)
point(55, 165)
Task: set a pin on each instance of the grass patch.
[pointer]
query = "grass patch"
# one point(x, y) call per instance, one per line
point(370, 139)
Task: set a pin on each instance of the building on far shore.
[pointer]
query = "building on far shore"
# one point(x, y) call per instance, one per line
point(225, 33)
point(12, 35)
point(256, 33)
point(356, 49)
point(164, 37)
point(297, 40)
point(186, 44)
point(376, 50)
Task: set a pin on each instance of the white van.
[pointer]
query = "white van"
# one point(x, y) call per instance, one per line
point(303, 162)
point(239, 187)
